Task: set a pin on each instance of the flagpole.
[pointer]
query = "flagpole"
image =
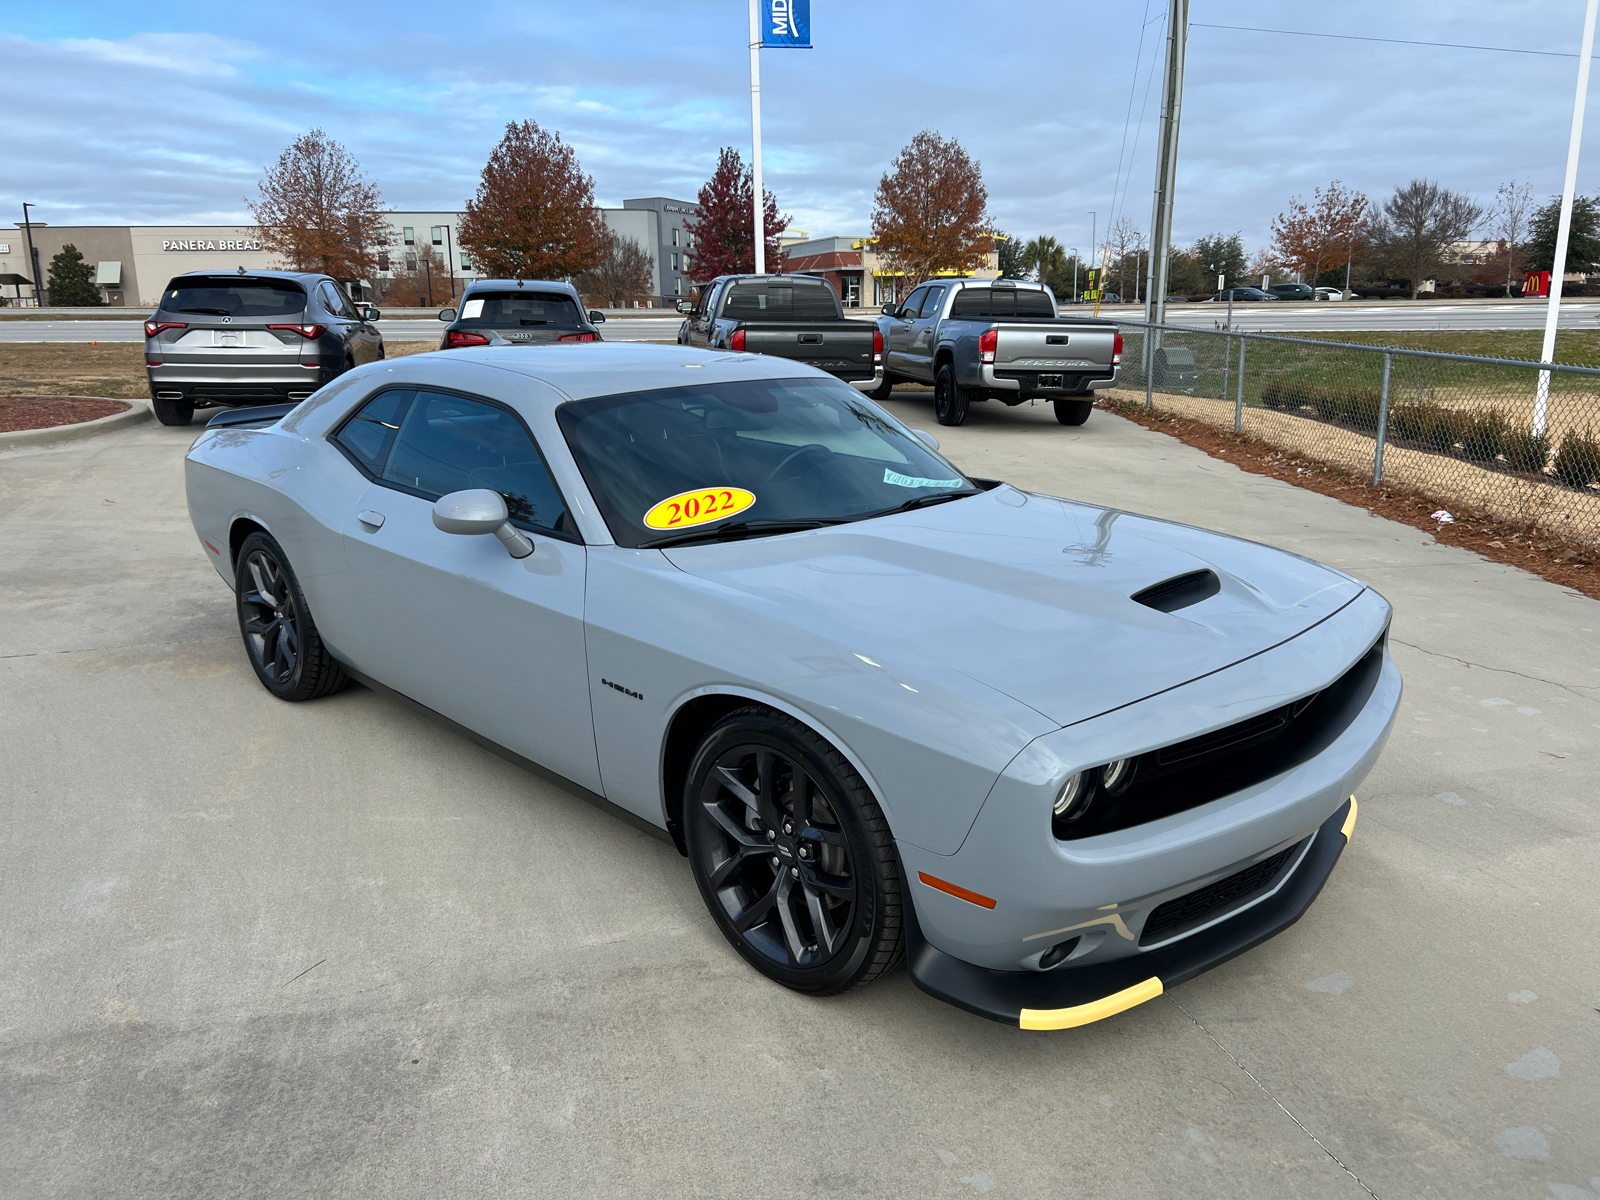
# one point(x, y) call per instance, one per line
point(759, 216)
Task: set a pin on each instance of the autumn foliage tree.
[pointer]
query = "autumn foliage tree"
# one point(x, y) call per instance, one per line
point(1323, 235)
point(534, 215)
point(316, 211)
point(723, 232)
point(930, 212)
point(622, 275)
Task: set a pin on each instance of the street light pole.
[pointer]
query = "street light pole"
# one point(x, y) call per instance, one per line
point(450, 260)
point(1167, 161)
point(759, 220)
point(33, 255)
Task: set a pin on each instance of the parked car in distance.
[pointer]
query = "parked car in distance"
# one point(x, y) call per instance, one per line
point(1110, 298)
point(1291, 291)
point(797, 317)
point(1243, 293)
point(997, 339)
point(1055, 758)
point(518, 312)
point(1330, 293)
point(252, 337)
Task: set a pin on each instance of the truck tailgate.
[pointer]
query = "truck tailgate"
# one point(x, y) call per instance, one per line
point(842, 348)
point(1054, 347)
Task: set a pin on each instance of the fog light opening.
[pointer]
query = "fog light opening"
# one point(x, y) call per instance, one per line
point(1058, 953)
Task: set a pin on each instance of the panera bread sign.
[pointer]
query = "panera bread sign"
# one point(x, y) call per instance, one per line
point(207, 244)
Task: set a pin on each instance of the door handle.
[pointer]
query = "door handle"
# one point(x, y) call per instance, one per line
point(372, 520)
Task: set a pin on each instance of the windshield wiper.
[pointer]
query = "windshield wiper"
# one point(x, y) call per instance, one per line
point(215, 312)
point(917, 502)
point(740, 529)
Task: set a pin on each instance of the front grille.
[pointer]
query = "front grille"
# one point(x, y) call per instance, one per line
point(1199, 906)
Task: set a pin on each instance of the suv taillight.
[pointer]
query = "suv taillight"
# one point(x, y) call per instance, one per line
point(736, 342)
point(305, 331)
point(458, 337)
point(1116, 350)
point(877, 341)
point(987, 341)
point(151, 328)
point(576, 337)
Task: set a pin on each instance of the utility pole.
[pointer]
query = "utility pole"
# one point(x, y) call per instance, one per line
point(759, 222)
point(1166, 162)
point(33, 256)
point(1541, 402)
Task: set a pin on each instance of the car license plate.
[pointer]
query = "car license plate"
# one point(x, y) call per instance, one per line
point(1050, 381)
point(225, 337)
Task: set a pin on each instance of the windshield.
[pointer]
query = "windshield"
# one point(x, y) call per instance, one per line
point(518, 307)
point(735, 459)
point(234, 296)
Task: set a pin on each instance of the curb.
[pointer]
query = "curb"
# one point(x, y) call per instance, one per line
point(138, 410)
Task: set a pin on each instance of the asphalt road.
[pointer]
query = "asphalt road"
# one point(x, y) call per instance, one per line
point(255, 949)
point(630, 329)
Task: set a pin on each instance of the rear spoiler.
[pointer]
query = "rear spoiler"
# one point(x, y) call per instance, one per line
point(257, 416)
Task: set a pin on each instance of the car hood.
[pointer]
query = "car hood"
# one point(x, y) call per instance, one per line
point(1030, 595)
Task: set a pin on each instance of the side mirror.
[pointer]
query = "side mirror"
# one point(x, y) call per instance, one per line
point(447, 314)
point(685, 306)
point(596, 317)
point(927, 438)
point(371, 314)
point(891, 310)
point(480, 511)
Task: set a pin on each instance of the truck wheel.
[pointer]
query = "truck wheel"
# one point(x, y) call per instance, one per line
point(881, 392)
point(949, 398)
point(1073, 412)
point(174, 412)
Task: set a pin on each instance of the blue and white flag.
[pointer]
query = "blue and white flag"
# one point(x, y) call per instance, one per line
point(786, 24)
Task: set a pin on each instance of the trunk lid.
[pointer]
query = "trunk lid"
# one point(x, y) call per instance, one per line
point(1057, 347)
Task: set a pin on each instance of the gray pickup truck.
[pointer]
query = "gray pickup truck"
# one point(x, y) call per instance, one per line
point(789, 316)
point(996, 339)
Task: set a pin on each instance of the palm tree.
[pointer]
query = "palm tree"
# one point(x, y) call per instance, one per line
point(1043, 255)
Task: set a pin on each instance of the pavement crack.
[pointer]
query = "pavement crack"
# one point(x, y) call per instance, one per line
point(1269, 1095)
point(1578, 688)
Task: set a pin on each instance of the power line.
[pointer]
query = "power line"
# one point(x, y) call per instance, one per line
point(1350, 37)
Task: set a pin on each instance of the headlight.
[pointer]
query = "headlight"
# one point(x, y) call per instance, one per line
point(1118, 775)
point(1073, 798)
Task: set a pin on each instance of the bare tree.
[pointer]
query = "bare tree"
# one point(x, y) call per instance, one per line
point(418, 279)
point(317, 212)
point(534, 215)
point(1509, 221)
point(931, 210)
point(1321, 235)
point(1263, 264)
point(623, 275)
point(1125, 240)
point(1418, 222)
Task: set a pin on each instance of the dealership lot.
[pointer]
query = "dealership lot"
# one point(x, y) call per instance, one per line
point(331, 949)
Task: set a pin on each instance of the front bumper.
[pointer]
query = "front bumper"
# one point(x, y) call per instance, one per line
point(1069, 997)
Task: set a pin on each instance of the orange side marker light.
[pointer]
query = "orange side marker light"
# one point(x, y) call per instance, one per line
point(955, 890)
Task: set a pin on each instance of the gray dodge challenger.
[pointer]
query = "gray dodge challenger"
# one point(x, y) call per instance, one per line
point(1054, 757)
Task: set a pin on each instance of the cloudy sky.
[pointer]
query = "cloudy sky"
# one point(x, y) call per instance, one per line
point(137, 113)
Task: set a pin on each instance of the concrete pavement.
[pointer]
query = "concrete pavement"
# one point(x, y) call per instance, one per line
point(258, 949)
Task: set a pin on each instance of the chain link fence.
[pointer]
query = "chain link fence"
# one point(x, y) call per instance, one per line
point(1514, 441)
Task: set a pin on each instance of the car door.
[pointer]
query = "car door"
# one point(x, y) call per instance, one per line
point(897, 352)
point(700, 321)
point(452, 621)
point(920, 355)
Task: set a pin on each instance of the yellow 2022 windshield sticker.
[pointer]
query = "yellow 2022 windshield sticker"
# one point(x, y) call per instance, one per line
point(698, 507)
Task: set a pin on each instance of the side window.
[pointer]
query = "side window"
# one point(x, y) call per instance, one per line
point(930, 304)
point(368, 435)
point(449, 444)
point(335, 300)
point(914, 302)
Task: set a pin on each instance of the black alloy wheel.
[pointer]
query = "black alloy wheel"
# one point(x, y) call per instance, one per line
point(792, 854)
point(1073, 412)
point(279, 636)
point(949, 399)
point(173, 412)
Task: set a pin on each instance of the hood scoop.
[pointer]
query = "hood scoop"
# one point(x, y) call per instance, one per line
point(1181, 591)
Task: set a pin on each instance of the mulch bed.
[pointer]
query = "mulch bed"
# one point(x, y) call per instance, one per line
point(46, 412)
point(1561, 562)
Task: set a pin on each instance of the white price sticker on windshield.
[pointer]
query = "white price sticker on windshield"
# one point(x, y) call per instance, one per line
point(914, 481)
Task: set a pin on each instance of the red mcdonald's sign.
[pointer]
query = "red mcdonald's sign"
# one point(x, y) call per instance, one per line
point(1537, 284)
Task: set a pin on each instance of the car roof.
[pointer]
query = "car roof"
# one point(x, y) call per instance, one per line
point(580, 371)
point(478, 285)
point(297, 276)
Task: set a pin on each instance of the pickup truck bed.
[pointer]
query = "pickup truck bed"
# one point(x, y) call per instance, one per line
point(787, 316)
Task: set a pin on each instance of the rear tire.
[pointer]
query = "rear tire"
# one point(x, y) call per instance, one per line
point(792, 854)
point(275, 624)
point(881, 392)
point(950, 400)
point(1073, 412)
point(174, 412)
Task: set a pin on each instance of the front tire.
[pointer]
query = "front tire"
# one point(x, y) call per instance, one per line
point(950, 399)
point(280, 638)
point(792, 854)
point(1073, 412)
point(173, 412)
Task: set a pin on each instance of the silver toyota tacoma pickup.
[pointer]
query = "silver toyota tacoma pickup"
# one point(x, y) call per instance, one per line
point(996, 339)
